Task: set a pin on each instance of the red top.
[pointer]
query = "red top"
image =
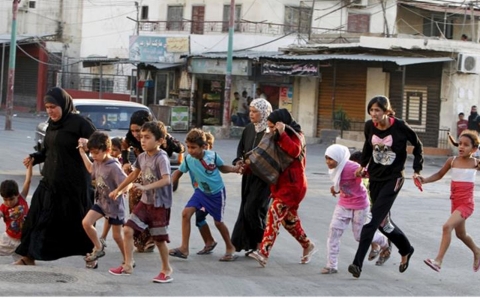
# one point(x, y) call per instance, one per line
point(461, 126)
point(14, 217)
point(292, 183)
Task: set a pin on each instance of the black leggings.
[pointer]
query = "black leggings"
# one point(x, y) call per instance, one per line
point(382, 194)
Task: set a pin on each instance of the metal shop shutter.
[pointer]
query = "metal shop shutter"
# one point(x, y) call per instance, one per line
point(350, 92)
point(26, 78)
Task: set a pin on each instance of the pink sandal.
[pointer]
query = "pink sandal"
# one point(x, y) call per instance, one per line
point(432, 264)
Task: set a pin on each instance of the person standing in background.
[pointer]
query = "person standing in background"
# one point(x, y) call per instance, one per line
point(242, 110)
point(234, 109)
point(259, 93)
point(473, 119)
point(462, 124)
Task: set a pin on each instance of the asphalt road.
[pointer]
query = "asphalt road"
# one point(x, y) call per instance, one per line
point(419, 214)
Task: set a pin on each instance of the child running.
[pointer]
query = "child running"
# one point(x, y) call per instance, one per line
point(201, 214)
point(108, 174)
point(205, 167)
point(153, 209)
point(353, 204)
point(116, 152)
point(464, 169)
point(13, 210)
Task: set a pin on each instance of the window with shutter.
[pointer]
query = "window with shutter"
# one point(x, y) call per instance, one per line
point(226, 17)
point(358, 23)
point(175, 18)
point(297, 19)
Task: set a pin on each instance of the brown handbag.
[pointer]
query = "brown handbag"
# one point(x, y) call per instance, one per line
point(268, 160)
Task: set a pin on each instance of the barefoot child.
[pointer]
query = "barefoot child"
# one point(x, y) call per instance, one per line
point(353, 204)
point(463, 171)
point(205, 166)
point(13, 210)
point(108, 174)
point(153, 210)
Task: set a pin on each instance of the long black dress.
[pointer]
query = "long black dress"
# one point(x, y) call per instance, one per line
point(251, 220)
point(53, 227)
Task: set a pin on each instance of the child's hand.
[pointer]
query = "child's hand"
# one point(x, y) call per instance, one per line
point(113, 195)
point(333, 192)
point(418, 180)
point(238, 169)
point(28, 161)
point(359, 172)
point(139, 186)
point(82, 143)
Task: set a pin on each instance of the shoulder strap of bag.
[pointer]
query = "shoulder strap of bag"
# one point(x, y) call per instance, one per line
point(302, 140)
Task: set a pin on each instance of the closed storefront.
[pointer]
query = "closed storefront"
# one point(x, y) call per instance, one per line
point(417, 100)
point(342, 88)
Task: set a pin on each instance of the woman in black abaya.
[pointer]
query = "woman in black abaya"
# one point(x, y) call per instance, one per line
point(248, 230)
point(53, 227)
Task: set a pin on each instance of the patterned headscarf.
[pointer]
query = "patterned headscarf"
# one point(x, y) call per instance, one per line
point(265, 108)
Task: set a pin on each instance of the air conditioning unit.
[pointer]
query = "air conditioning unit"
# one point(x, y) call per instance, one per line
point(359, 3)
point(468, 63)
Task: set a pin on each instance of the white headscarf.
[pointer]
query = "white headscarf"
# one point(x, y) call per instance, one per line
point(340, 154)
point(265, 109)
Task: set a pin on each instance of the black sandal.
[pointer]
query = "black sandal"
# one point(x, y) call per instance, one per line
point(403, 267)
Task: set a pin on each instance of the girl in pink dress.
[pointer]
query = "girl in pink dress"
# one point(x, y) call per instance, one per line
point(464, 169)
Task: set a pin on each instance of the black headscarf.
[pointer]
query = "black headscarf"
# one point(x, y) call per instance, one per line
point(284, 116)
point(139, 118)
point(61, 98)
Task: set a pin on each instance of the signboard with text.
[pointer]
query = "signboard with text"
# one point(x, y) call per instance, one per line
point(290, 68)
point(219, 66)
point(157, 48)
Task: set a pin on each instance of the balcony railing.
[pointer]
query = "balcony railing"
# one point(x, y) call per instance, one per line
point(206, 27)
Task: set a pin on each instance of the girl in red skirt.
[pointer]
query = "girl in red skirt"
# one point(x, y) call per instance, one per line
point(463, 171)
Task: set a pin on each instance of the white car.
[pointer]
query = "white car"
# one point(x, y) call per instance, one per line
point(112, 116)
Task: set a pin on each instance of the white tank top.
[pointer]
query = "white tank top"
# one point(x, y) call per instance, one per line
point(463, 174)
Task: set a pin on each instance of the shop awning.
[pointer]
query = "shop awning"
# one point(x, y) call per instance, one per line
point(164, 65)
point(367, 57)
point(5, 38)
point(399, 60)
point(446, 7)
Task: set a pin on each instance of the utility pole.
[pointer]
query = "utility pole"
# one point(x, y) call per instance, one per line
point(228, 74)
point(11, 67)
point(138, 24)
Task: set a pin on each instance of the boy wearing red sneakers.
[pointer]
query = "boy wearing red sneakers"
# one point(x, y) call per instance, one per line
point(153, 210)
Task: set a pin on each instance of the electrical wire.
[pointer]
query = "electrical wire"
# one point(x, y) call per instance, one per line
point(42, 62)
point(265, 43)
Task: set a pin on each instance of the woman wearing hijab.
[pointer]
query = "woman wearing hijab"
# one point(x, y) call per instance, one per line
point(53, 228)
point(250, 225)
point(353, 204)
point(289, 190)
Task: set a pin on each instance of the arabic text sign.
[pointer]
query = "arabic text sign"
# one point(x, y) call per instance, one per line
point(290, 68)
point(155, 48)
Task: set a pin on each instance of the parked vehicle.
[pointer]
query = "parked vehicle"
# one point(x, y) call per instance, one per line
point(112, 116)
